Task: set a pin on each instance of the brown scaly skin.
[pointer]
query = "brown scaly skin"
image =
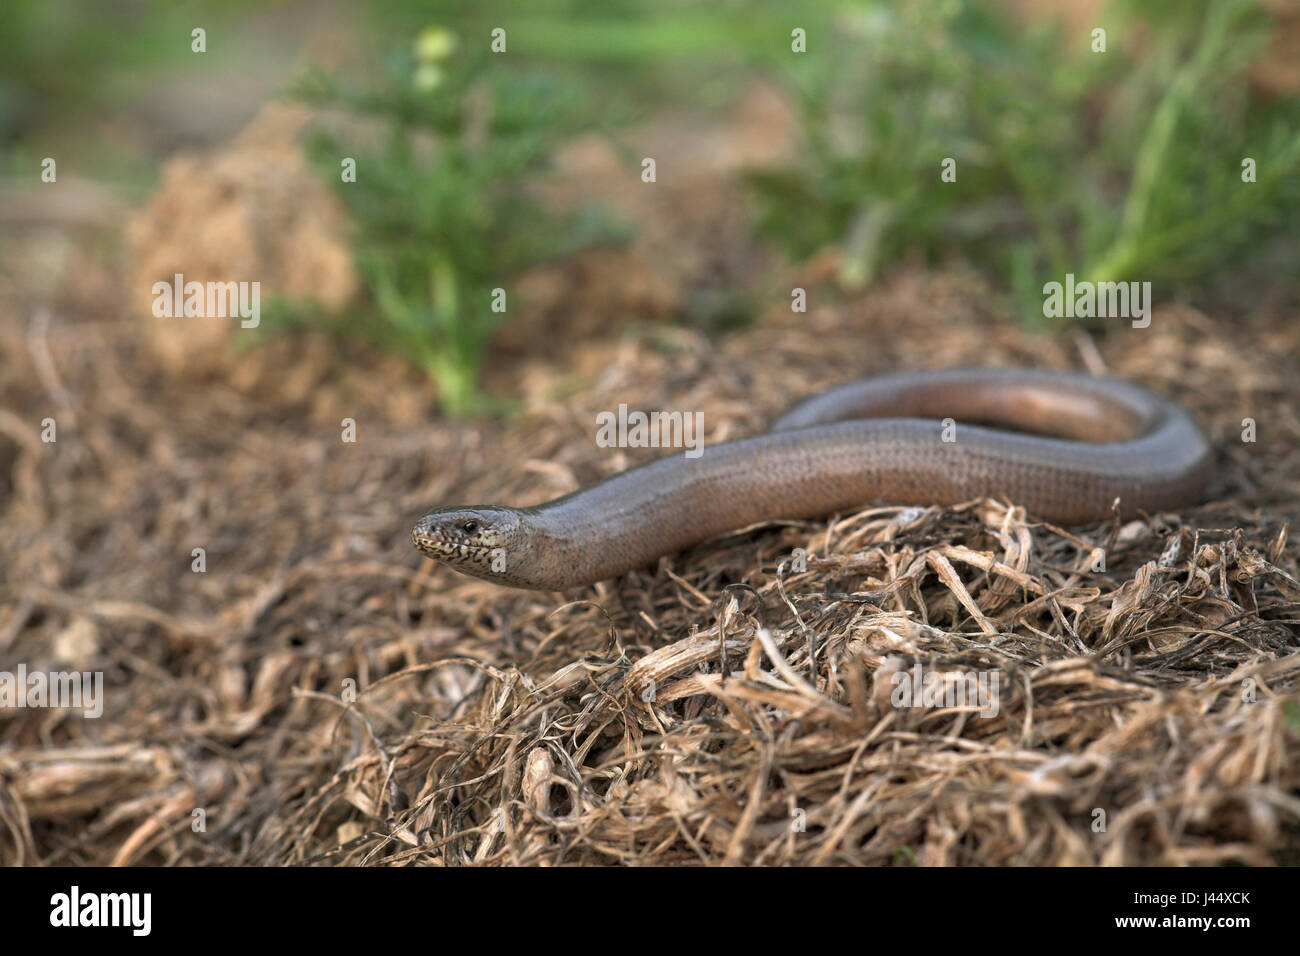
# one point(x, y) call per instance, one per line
point(837, 452)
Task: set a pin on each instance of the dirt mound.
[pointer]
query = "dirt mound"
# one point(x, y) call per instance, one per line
point(723, 707)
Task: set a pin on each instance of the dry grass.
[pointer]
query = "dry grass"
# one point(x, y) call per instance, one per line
point(504, 727)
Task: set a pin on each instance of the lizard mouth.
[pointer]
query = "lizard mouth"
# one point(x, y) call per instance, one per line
point(437, 546)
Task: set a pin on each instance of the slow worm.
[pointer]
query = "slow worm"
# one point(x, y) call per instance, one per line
point(1067, 446)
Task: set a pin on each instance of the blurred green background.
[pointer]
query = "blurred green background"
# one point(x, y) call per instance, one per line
point(1122, 165)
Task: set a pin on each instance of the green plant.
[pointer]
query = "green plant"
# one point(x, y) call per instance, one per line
point(442, 207)
point(1114, 166)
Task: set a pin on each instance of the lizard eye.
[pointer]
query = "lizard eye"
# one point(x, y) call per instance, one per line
point(469, 527)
